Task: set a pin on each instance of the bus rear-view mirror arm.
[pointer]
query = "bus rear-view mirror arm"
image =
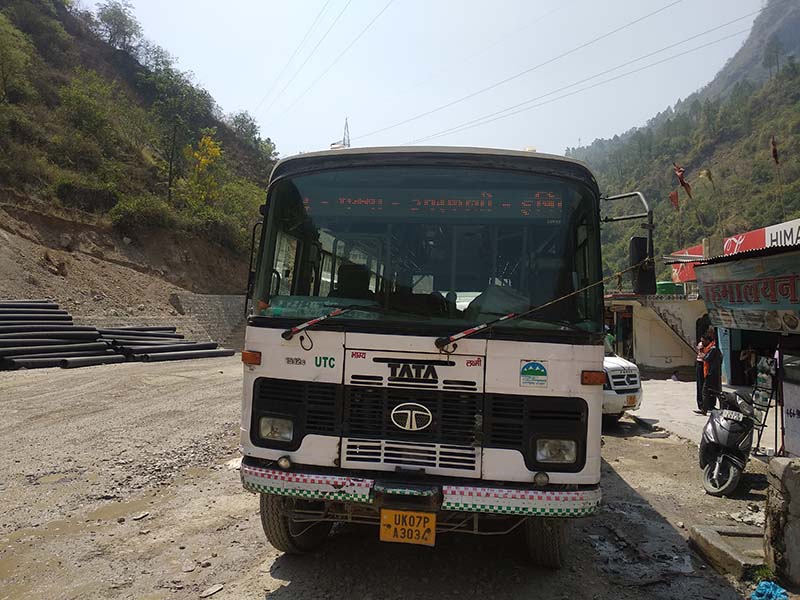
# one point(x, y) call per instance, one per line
point(643, 277)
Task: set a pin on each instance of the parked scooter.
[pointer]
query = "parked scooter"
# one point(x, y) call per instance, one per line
point(726, 443)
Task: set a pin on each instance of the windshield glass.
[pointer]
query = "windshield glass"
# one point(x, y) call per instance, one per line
point(454, 245)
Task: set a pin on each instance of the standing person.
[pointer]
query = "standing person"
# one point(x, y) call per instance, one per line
point(748, 360)
point(699, 374)
point(712, 362)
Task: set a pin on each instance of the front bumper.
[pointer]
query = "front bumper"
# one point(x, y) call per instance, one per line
point(616, 404)
point(459, 498)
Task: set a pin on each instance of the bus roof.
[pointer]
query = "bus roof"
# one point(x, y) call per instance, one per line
point(396, 154)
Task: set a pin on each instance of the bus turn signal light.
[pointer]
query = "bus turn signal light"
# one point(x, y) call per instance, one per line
point(593, 377)
point(251, 357)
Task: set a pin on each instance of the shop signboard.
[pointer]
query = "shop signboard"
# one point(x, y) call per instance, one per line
point(683, 272)
point(760, 293)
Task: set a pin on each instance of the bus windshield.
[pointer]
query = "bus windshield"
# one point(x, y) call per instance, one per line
point(456, 246)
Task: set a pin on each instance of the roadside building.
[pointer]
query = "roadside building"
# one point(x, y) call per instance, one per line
point(753, 299)
point(737, 338)
point(656, 332)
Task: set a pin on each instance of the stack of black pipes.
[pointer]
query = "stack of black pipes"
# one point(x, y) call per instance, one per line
point(37, 334)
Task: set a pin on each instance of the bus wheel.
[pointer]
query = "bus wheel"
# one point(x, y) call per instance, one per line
point(287, 535)
point(546, 540)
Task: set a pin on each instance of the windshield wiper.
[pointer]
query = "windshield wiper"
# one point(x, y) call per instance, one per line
point(290, 333)
point(445, 341)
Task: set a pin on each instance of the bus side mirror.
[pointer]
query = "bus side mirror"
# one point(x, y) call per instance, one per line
point(251, 274)
point(643, 276)
point(262, 210)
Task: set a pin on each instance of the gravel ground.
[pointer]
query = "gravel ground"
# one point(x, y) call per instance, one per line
point(121, 482)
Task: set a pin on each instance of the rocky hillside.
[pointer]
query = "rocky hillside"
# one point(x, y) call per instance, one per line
point(724, 131)
point(95, 118)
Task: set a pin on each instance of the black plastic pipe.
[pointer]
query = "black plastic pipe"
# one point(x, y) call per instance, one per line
point(60, 335)
point(28, 317)
point(33, 363)
point(169, 348)
point(155, 334)
point(88, 361)
point(52, 349)
point(6, 328)
point(19, 304)
point(37, 341)
point(18, 310)
point(28, 301)
point(143, 342)
point(184, 355)
point(108, 352)
point(164, 329)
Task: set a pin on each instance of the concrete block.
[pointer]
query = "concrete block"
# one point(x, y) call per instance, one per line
point(782, 535)
point(784, 474)
point(734, 550)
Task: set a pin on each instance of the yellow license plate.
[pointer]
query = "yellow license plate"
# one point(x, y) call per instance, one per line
point(630, 401)
point(408, 527)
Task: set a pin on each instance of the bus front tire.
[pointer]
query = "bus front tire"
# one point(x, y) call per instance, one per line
point(286, 535)
point(546, 541)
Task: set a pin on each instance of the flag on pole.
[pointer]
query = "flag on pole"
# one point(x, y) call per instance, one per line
point(673, 197)
point(706, 174)
point(680, 172)
point(775, 151)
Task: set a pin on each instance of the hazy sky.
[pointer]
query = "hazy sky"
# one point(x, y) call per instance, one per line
point(421, 54)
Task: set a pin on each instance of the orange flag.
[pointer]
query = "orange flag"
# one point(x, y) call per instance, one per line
point(673, 197)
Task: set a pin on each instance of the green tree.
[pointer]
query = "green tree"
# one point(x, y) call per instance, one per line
point(772, 54)
point(15, 58)
point(245, 127)
point(118, 24)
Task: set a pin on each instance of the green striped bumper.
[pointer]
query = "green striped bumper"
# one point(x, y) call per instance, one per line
point(540, 503)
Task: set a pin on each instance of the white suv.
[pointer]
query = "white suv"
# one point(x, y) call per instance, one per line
point(623, 388)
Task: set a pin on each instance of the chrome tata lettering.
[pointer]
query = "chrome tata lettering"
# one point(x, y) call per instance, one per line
point(413, 371)
point(411, 416)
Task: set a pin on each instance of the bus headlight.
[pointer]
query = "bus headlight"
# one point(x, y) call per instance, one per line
point(556, 451)
point(276, 429)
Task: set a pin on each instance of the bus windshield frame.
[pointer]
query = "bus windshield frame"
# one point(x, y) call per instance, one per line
point(430, 248)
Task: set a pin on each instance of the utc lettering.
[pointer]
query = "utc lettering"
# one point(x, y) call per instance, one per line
point(325, 361)
point(406, 371)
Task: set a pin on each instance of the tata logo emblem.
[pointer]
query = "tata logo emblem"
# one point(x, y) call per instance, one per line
point(413, 371)
point(411, 416)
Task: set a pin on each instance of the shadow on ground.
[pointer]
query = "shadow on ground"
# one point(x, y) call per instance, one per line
point(627, 551)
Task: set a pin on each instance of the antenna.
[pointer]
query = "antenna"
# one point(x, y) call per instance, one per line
point(345, 141)
point(346, 136)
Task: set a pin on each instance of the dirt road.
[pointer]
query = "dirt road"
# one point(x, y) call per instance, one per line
point(121, 482)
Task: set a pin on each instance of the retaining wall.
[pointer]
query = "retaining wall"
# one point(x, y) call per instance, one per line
point(222, 316)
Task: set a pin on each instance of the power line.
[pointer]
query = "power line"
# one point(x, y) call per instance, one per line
point(296, 50)
point(342, 53)
point(503, 38)
point(485, 120)
point(313, 50)
point(520, 74)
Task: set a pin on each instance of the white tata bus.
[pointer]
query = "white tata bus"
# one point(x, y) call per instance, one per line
point(425, 347)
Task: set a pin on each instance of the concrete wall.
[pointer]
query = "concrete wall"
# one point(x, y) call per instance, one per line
point(201, 317)
point(655, 345)
point(222, 316)
point(782, 533)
